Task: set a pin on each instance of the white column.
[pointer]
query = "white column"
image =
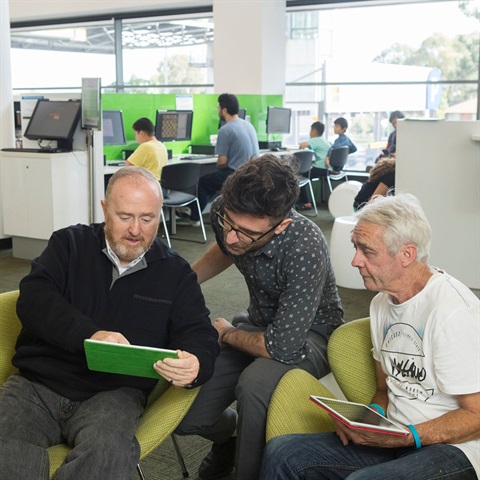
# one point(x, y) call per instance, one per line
point(249, 46)
point(7, 128)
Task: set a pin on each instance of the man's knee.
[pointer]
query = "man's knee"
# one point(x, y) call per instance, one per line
point(258, 380)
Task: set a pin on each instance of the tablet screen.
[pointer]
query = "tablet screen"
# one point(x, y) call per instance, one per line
point(357, 415)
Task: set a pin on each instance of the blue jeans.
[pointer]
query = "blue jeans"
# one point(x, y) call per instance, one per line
point(100, 430)
point(323, 456)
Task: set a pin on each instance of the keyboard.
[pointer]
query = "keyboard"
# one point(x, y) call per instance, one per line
point(195, 157)
point(115, 163)
point(34, 150)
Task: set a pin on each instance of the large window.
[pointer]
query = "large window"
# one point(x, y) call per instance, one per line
point(358, 62)
point(154, 55)
point(365, 62)
point(175, 53)
point(57, 57)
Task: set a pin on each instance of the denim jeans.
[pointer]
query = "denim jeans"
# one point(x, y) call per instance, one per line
point(100, 430)
point(323, 456)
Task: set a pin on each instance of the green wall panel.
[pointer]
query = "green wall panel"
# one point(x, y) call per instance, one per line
point(205, 116)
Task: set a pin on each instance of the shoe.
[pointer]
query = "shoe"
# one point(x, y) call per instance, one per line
point(305, 206)
point(219, 462)
point(194, 223)
point(183, 212)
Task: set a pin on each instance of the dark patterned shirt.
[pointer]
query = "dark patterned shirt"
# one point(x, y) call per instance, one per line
point(291, 285)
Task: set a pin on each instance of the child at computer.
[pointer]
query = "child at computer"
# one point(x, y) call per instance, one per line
point(320, 148)
point(340, 126)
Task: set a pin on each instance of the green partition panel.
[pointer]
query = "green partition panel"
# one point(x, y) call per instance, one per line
point(205, 116)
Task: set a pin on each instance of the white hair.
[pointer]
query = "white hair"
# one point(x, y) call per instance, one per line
point(404, 222)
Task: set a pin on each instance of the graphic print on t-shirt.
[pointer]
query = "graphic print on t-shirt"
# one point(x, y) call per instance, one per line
point(402, 349)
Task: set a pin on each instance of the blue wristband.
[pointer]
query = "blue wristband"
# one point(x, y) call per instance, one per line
point(416, 437)
point(380, 410)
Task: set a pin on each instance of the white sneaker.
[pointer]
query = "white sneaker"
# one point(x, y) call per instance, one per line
point(195, 223)
point(183, 212)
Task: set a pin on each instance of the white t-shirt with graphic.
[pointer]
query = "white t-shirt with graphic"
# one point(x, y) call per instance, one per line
point(429, 348)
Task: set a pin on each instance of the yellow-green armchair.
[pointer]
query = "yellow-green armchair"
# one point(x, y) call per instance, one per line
point(166, 406)
point(352, 365)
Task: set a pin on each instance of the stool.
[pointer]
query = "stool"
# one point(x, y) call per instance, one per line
point(342, 252)
point(341, 199)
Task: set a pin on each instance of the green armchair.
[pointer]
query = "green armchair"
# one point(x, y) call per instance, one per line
point(352, 365)
point(166, 407)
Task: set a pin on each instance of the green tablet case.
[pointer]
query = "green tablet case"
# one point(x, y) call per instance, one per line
point(124, 359)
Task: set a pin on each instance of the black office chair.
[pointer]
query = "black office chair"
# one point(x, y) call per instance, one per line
point(304, 160)
point(181, 180)
point(338, 160)
point(165, 229)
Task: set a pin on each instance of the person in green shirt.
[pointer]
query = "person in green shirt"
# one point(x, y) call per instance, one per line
point(320, 148)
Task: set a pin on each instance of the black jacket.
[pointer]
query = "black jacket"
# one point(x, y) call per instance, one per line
point(71, 293)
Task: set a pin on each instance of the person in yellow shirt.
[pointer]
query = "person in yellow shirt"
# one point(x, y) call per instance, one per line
point(150, 153)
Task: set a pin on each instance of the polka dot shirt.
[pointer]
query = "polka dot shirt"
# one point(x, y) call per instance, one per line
point(291, 285)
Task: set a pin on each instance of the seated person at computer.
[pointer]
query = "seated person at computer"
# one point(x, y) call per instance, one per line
point(150, 153)
point(236, 143)
point(391, 148)
point(340, 126)
point(380, 181)
point(320, 148)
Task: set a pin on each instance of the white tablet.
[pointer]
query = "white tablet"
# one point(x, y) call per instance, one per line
point(359, 416)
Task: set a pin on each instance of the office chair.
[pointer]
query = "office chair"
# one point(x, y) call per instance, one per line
point(166, 406)
point(181, 180)
point(338, 160)
point(165, 229)
point(290, 409)
point(304, 161)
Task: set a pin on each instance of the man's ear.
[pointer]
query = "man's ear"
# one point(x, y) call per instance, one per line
point(409, 254)
point(283, 226)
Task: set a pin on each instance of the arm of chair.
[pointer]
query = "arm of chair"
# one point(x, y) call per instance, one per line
point(162, 416)
point(292, 411)
point(354, 371)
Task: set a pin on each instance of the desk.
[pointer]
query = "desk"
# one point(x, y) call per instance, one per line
point(209, 163)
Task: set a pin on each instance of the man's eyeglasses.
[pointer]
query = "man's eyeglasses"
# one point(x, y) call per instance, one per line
point(242, 236)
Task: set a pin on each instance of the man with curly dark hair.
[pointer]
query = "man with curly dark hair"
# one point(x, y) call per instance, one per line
point(294, 307)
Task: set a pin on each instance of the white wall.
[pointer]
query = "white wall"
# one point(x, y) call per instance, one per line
point(439, 163)
point(7, 133)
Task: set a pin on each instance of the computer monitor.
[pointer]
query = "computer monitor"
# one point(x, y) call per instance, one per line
point(242, 113)
point(54, 120)
point(278, 120)
point(112, 127)
point(172, 125)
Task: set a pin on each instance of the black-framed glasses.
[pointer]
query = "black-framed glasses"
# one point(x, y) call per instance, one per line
point(242, 236)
